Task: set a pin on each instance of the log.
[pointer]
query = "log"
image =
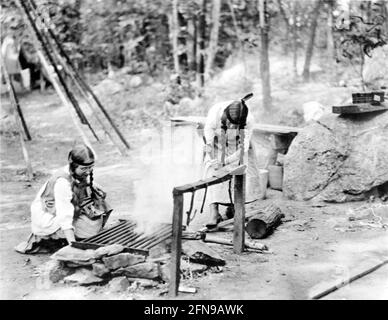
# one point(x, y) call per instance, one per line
point(192, 235)
point(248, 244)
point(201, 253)
point(263, 223)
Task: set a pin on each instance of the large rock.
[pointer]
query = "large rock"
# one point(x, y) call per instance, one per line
point(375, 68)
point(146, 270)
point(83, 277)
point(100, 270)
point(122, 260)
point(338, 158)
point(109, 250)
point(74, 255)
point(118, 284)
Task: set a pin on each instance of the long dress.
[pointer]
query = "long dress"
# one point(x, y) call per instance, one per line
point(212, 132)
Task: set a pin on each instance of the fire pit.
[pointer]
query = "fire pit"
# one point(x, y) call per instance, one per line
point(128, 235)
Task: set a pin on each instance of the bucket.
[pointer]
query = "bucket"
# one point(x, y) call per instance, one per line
point(275, 177)
point(26, 78)
point(263, 181)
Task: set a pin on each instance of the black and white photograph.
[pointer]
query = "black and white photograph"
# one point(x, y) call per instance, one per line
point(196, 150)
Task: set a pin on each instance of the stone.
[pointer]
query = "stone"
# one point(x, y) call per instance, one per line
point(56, 270)
point(193, 267)
point(83, 276)
point(100, 270)
point(122, 260)
point(70, 254)
point(119, 284)
point(165, 272)
point(108, 251)
point(135, 82)
point(77, 264)
point(107, 87)
point(146, 270)
point(144, 283)
point(160, 249)
point(199, 252)
point(338, 158)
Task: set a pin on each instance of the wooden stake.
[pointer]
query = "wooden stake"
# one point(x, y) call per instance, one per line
point(176, 246)
point(30, 173)
point(15, 101)
point(239, 215)
point(223, 146)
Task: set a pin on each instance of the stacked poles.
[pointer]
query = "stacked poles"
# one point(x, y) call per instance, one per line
point(58, 75)
point(19, 125)
point(82, 86)
point(43, 36)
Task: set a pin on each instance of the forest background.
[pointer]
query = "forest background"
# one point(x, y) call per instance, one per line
point(149, 60)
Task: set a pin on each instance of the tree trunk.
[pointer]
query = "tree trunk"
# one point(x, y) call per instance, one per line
point(294, 40)
point(287, 23)
point(202, 34)
point(212, 49)
point(264, 59)
point(330, 38)
point(384, 13)
point(310, 45)
point(192, 43)
point(174, 34)
point(263, 223)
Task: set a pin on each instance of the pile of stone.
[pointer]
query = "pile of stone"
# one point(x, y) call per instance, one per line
point(120, 269)
point(106, 264)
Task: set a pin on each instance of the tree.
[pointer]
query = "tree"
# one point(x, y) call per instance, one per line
point(330, 36)
point(212, 49)
point(174, 30)
point(310, 44)
point(202, 35)
point(264, 58)
point(283, 13)
point(294, 40)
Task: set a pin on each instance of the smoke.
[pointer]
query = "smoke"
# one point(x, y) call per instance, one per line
point(172, 157)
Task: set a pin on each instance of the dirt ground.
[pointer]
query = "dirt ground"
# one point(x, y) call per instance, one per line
point(315, 246)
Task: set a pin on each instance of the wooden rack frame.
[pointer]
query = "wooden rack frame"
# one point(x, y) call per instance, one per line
point(224, 174)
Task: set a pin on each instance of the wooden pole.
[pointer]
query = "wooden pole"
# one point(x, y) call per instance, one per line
point(239, 203)
point(14, 99)
point(176, 246)
point(239, 215)
point(41, 40)
point(54, 81)
point(90, 104)
point(81, 81)
point(223, 146)
point(30, 173)
point(343, 283)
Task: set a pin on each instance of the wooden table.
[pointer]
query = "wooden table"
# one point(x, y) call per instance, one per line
point(280, 136)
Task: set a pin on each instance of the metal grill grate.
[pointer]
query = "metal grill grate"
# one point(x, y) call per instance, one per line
point(125, 233)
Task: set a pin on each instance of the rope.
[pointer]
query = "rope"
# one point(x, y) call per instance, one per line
point(188, 220)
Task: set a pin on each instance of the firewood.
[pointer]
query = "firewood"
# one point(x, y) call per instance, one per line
point(248, 244)
point(263, 224)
